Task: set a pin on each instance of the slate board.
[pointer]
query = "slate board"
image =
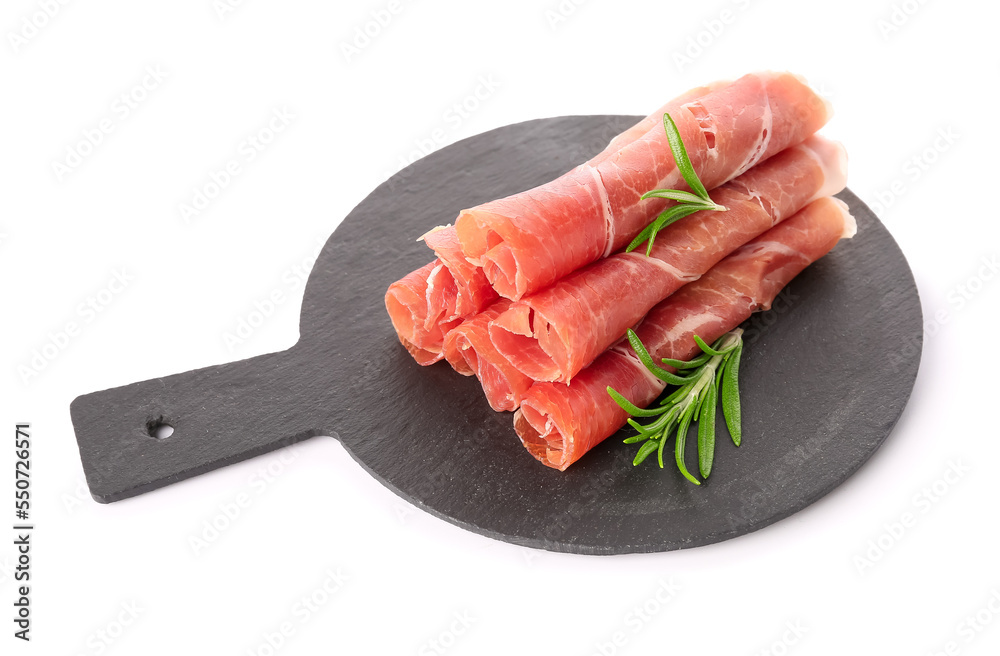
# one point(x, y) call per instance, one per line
point(820, 392)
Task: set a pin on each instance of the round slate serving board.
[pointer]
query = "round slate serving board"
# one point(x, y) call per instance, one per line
point(826, 374)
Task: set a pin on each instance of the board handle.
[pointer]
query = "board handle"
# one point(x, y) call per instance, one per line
point(219, 415)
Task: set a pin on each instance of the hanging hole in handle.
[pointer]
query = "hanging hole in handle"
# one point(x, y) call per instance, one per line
point(159, 429)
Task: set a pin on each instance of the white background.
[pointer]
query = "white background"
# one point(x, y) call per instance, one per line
point(356, 117)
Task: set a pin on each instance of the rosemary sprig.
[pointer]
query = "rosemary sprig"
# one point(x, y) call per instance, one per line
point(699, 382)
point(687, 203)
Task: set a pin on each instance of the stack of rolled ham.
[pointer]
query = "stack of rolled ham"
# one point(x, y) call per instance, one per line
point(533, 293)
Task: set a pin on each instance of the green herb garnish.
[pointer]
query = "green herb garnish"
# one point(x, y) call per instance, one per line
point(687, 203)
point(698, 382)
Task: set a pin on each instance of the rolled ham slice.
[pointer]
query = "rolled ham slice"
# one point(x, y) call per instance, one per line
point(531, 239)
point(553, 334)
point(427, 303)
point(654, 120)
point(559, 423)
point(469, 351)
point(422, 307)
point(473, 290)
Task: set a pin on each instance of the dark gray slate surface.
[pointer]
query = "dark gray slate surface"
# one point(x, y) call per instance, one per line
point(826, 375)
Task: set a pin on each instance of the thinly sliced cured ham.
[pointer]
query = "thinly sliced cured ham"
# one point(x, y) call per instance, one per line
point(409, 302)
point(427, 303)
point(559, 423)
point(531, 239)
point(473, 290)
point(469, 351)
point(555, 333)
point(653, 120)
